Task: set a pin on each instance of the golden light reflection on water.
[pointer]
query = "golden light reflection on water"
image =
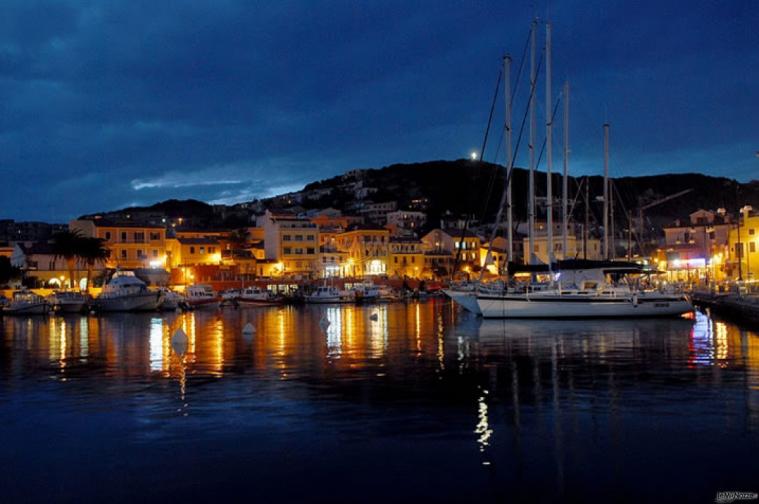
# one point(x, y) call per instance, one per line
point(482, 429)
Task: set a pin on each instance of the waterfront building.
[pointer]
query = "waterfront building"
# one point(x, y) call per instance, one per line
point(407, 259)
point(367, 249)
point(450, 241)
point(498, 256)
point(291, 241)
point(695, 249)
point(193, 251)
point(38, 260)
point(743, 247)
point(131, 246)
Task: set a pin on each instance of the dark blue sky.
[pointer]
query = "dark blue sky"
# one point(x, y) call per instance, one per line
point(107, 104)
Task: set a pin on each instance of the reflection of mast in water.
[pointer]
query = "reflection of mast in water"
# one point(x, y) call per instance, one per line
point(440, 342)
point(557, 417)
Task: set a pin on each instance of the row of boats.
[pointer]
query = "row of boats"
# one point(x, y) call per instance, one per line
point(127, 293)
point(577, 289)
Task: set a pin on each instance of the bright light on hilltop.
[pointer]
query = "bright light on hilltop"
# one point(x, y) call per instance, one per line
point(473, 155)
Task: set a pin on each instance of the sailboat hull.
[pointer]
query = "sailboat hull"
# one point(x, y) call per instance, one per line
point(557, 307)
point(466, 299)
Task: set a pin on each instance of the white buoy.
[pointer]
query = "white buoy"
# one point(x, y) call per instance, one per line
point(179, 342)
point(248, 331)
point(374, 317)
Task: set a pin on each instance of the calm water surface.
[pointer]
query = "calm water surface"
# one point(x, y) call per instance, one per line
point(395, 403)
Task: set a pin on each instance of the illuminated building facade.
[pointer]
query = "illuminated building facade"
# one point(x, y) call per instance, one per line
point(131, 246)
point(293, 242)
point(743, 247)
point(367, 248)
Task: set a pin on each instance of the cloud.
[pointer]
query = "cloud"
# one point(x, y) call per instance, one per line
point(107, 103)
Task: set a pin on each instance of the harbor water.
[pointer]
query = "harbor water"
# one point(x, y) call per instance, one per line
point(406, 402)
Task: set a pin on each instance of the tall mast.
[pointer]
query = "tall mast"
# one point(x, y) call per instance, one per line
point(586, 228)
point(509, 154)
point(612, 231)
point(606, 191)
point(549, 146)
point(531, 183)
point(565, 178)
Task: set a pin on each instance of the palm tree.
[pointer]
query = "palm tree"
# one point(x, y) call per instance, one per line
point(239, 237)
point(68, 245)
point(93, 251)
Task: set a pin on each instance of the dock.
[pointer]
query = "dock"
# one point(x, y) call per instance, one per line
point(739, 307)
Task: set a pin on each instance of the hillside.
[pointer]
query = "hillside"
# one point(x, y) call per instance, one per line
point(464, 187)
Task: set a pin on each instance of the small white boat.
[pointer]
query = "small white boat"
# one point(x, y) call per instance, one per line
point(230, 296)
point(328, 294)
point(68, 301)
point(126, 292)
point(387, 293)
point(365, 292)
point(202, 297)
point(257, 296)
point(171, 300)
point(25, 302)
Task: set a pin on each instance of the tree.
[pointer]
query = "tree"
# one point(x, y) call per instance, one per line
point(93, 251)
point(7, 271)
point(68, 245)
point(239, 237)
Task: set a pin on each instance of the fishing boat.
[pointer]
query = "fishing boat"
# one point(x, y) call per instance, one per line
point(68, 301)
point(261, 297)
point(202, 297)
point(125, 292)
point(328, 294)
point(25, 302)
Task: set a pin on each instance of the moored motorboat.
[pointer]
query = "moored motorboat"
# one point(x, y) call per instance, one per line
point(171, 300)
point(365, 292)
point(126, 292)
point(202, 297)
point(230, 296)
point(257, 296)
point(25, 302)
point(68, 301)
point(328, 294)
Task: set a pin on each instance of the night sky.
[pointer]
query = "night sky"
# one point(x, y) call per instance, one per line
point(109, 104)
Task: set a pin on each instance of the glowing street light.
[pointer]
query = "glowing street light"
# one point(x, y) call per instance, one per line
point(473, 156)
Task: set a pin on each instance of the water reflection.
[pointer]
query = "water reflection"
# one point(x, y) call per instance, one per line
point(534, 401)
